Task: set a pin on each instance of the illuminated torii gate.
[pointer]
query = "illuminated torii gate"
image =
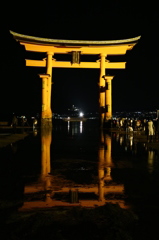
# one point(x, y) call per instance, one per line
point(76, 48)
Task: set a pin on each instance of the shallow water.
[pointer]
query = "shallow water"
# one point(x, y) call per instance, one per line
point(77, 164)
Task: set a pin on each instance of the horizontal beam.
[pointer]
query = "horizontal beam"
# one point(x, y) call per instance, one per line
point(108, 50)
point(58, 64)
point(35, 63)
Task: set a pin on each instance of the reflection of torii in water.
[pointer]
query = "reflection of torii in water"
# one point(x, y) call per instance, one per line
point(104, 170)
point(105, 162)
point(46, 138)
point(46, 185)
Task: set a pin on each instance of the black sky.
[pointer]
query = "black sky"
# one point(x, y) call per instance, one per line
point(135, 88)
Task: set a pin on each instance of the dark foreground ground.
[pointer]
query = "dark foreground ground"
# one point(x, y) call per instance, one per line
point(108, 222)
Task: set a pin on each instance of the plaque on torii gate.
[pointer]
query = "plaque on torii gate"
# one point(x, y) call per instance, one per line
point(76, 47)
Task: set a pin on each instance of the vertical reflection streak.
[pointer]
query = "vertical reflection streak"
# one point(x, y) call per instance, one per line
point(151, 155)
point(46, 138)
point(106, 186)
point(81, 126)
point(105, 163)
point(68, 126)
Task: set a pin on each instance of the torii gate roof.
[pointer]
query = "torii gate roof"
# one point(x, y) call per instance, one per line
point(61, 42)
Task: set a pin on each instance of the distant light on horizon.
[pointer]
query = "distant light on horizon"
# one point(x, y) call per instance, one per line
point(81, 114)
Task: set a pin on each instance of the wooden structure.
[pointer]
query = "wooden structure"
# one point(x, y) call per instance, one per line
point(76, 48)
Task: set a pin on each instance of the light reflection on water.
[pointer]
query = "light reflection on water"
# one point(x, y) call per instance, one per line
point(128, 142)
point(53, 186)
point(72, 153)
point(150, 160)
point(76, 127)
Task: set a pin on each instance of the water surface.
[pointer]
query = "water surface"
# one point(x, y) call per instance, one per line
point(78, 164)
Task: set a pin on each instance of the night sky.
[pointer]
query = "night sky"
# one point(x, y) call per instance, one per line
point(134, 88)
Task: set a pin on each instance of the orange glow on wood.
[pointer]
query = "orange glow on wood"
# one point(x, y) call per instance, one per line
point(108, 50)
point(85, 47)
point(60, 64)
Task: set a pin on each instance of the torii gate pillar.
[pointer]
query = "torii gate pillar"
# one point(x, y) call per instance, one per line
point(105, 92)
point(46, 113)
point(108, 97)
point(102, 88)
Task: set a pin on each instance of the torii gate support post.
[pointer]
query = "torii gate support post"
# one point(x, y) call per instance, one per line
point(108, 97)
point(102, 89)
point(49, 72)
point(46, 114)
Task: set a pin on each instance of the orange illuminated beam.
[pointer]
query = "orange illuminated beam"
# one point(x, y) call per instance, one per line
point(109, 50)
point(108, 65)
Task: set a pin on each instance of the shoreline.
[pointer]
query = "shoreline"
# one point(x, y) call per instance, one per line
point(9, 137)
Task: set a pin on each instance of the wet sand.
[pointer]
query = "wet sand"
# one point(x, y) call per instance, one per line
point(141, 137)
point(8, 137)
